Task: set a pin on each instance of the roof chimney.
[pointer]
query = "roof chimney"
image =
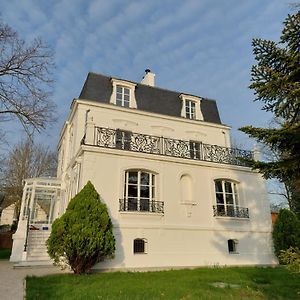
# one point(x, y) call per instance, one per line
point(149, 78)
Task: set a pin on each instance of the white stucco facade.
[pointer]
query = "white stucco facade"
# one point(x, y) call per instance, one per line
point(182, 223)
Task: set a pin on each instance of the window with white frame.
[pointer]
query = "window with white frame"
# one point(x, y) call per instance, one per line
point(190, 109)
point(123, 93)
point(122, 96)
point(139, 246)
point(226, 197)
point(139, 190)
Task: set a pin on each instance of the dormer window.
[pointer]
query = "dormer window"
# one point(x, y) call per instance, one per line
point(122, 96)
point(191, 107)
point(123, 93)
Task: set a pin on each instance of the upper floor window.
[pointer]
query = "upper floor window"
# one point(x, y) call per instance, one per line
point(123, 93)
point(195, 150)
point(123, 139)
point(191, 107)
point(122, 96)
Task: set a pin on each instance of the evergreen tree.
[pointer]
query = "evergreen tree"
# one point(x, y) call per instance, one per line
point(286, 231)
point(276, 83)
point(83, 235)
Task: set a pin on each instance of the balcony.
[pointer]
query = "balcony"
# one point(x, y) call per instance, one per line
point(141, 205)
point(144, 143)
point(230, 211)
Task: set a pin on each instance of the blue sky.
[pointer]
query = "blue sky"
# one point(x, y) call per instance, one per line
point(202, 47)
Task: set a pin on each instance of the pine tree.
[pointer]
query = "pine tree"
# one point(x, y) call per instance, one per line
point(276, 82)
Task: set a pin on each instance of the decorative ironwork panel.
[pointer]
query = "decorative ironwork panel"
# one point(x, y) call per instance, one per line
point(141, 206)
point(230, 211)
point(177, 148)
point(105, 137)
point(157, 206)
point(130, 141)
point(145, 143)
point(225, 155)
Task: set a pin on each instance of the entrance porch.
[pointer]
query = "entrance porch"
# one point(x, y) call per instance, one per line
point(40, 202)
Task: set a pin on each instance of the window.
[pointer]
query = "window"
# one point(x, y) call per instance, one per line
point(226, 198)
point(139, 191)
point(190, 109)
point(139, 246)
point(122, 96)
point(123, 139)
point(194, 150)
point(232, 246)
point(123, 93)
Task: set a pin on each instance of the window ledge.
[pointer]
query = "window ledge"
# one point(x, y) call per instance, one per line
point(232, 218)
point(141, 213)
point(188, 203)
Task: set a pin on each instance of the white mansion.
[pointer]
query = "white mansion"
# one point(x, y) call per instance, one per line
point(162, 161)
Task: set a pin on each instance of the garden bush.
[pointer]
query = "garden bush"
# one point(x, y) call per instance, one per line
point(291, 258)
point(83, 235)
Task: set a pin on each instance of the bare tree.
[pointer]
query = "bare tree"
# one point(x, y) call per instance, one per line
point(25, 80)
point(24, 161)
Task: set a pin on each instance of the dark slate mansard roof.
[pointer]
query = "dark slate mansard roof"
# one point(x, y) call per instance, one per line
point(98, 88)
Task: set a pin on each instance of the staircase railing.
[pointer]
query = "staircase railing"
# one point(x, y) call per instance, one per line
point(27, 230)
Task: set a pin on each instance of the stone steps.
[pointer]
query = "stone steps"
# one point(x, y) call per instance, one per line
point(37, 249)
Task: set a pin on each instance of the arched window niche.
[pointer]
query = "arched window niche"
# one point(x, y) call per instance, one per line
point(186, 193)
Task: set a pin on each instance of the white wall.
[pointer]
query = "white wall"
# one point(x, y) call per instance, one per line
point(186, 235)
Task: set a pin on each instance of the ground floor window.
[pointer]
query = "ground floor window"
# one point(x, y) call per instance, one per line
point(232, 246)
point(139, 246)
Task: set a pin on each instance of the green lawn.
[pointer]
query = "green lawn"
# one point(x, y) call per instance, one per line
point(5, 253)
point(240, 283)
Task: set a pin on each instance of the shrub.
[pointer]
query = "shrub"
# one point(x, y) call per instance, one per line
point(286, 232)
point(83, 235)
point(291, 258)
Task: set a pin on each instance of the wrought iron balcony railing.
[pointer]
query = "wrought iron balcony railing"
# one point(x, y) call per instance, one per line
point(222, 210)
point(141, 205)
point(130, 141)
